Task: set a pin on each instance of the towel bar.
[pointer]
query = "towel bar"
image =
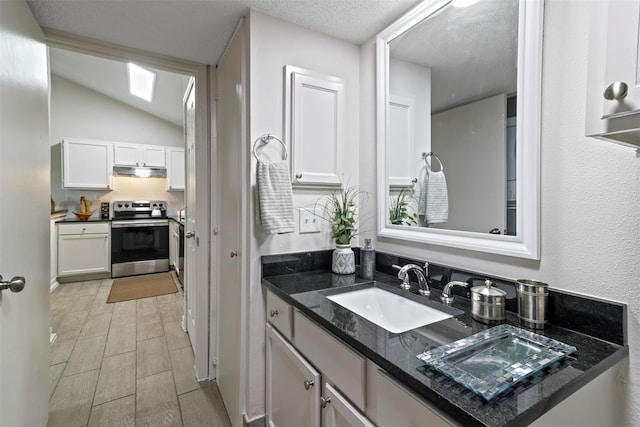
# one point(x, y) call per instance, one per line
point(264, 139)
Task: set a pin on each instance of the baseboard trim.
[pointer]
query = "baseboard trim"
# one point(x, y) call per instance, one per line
point(256, 422)
point(53, 285)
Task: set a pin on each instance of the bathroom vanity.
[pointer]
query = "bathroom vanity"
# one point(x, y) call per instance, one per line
point(327, 365)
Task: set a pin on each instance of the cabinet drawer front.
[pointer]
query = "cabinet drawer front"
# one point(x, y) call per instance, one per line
point(398, 406)
point(341, 366)
point(279, 314)
point(83, 228)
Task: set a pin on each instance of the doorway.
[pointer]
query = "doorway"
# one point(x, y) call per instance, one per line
point(199, 175)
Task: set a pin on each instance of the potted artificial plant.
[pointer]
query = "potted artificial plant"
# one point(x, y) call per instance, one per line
point(399, 209)
point(341, 212)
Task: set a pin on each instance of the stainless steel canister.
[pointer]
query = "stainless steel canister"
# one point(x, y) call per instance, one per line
point(488, 304)
point(532, 303)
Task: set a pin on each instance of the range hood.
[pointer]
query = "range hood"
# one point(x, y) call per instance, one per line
point(141, 172)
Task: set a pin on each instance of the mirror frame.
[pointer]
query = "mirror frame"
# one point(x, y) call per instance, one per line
point(525, 244)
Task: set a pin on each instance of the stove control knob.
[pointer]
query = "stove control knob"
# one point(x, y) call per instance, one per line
point(119, 205)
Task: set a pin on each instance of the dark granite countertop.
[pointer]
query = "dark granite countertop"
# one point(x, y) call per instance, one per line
point(396, 353)
point(92, 219)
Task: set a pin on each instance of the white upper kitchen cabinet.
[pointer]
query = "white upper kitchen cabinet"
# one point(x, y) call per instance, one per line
point(613, 102)
point(87, 164)
point(139, 155)
point(175, 168)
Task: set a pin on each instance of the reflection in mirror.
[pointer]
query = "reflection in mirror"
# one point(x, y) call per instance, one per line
point(458, 125)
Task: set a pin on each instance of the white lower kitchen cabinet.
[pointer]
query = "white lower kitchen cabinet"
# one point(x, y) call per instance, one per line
point(293, 385)
point(84, 248)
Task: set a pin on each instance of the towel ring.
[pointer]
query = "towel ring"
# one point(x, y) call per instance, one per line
point(430, 154)
point(264, 139)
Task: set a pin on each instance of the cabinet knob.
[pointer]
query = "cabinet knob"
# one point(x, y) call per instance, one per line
point(298, 175)
point(414, 181)
point(616, 90)
point(308, 384)
point(234, 254)
point(273, 313)
point(324, 401)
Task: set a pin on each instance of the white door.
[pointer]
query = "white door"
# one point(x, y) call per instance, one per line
point(230, 108)
point(190, 225)
point(24, 218)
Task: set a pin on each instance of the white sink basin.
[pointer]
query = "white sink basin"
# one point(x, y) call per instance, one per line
point(390, 311)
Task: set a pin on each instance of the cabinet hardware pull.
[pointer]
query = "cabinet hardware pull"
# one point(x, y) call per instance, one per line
point(273, 313)
point(414, 181)
point(298, 175)
point(234, 254)
point(616, 90)
point(308, 384)
point(324, 401)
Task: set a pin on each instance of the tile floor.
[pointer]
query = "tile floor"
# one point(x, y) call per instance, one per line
point(124, 364)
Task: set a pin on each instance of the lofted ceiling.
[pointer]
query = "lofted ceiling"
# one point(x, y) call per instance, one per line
point(194, 30)
point(109, 78)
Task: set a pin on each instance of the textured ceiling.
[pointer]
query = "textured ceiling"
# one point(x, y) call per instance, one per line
point(200, 30)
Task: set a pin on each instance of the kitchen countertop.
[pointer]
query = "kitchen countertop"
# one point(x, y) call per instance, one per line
point(396, 353)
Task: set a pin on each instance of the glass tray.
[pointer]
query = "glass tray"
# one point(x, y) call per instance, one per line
point(492, 361)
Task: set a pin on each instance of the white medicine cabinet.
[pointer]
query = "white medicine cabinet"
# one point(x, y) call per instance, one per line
point(613, 100)
point(314, 126)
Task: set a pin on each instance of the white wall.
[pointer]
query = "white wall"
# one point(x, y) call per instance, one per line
point(471, 142)
point(590, 197)
point(79, 112)
point(274, 44)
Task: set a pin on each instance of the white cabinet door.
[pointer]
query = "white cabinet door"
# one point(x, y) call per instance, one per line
point(614, 63)
point(398, 406)
point(623, 57)
point(153, 156)
point(175, 168)
point(87, 164)
point(139, 155)
point(83, 254)
point(314, 125)
point(125, 155)
point(293, 385)
point(338, 411)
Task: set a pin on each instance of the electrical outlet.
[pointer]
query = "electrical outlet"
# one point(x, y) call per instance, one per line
point(309, 221)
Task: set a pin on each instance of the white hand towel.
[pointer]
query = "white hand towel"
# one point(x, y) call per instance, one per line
point(422, 197)
point(275, 197)
point(437, 200)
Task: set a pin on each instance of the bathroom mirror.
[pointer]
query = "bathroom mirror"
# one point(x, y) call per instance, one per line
point(458, 89)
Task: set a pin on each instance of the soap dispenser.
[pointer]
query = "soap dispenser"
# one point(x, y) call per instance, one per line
point(367, 260)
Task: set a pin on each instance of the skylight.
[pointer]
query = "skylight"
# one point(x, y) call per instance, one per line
point(141, 82)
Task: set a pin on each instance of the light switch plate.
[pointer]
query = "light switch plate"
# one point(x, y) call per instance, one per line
point(309, 221)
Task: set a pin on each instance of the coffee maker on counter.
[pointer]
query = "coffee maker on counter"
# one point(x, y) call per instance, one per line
point(104, 210)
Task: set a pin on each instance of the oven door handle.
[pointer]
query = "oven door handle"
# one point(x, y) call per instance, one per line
point(138, 224)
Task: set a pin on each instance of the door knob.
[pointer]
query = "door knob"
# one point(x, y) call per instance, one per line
point(16, 284)
point(189, 235)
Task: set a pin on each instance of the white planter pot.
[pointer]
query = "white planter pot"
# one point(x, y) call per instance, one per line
point(343, 260)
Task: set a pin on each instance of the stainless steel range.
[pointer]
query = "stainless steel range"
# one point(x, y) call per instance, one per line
point(139, 238)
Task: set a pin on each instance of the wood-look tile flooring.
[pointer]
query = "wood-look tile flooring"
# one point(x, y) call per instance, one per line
point(124, 364)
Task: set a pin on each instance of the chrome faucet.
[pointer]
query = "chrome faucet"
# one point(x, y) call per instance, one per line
point(447, 297)
point(403, 275)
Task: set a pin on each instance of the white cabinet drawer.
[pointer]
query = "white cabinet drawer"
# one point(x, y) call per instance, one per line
point(279, 314)
point(340, 365)
point(83, 228)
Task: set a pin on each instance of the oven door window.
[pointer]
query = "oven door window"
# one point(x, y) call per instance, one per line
point(130, 244)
